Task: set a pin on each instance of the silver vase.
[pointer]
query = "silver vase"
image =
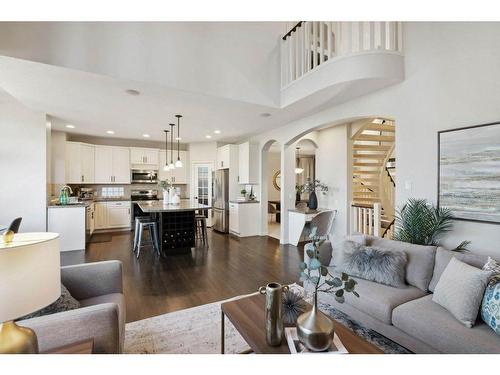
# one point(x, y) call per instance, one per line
point(315, 329)
point(274, 318)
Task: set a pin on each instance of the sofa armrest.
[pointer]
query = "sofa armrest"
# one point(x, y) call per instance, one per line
point(93, 279)
point(99, 322)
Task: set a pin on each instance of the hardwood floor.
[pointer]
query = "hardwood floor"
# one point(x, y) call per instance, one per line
point(229, 267)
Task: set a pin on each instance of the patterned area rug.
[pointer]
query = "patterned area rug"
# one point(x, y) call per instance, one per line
point(197, 331)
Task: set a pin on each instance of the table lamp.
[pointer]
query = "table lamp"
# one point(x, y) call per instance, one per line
point(30, 279)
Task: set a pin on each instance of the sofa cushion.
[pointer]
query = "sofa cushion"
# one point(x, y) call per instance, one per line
point(490, 307)
point(378, 300)
point(430, 323)
point(444, 256)
point(420, 259)
point(339, 247)
point(65, 302)
point(375, 264)
point(460, 290)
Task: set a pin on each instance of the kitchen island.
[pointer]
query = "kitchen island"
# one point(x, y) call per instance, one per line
point(176, 223)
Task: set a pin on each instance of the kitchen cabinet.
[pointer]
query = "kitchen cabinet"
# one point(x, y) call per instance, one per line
point(242, 221)
point(112, 165)
point(79, 163)
point(69, 222)
point(223, 157)
point(144, 156)
point(248, 161)
point(178, 175)
point(110, 215)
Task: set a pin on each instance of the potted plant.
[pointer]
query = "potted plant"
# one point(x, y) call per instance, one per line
point(311, 187)
point(297, 193)
point(314, 329)
point(165, 186)
point(421, 223)
point(243, 192)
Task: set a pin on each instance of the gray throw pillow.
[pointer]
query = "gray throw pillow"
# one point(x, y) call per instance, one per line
point(375, 264)
point(494, 267)
point(460, 290)
point(65, 302)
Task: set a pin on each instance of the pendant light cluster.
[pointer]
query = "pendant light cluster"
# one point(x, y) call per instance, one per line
point(298, 170)
point(178, 163)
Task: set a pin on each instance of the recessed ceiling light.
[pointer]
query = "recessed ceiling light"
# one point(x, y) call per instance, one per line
point(110, 132)
point(146, 135)
point(69, 126)
point(208, 136)
point(217, 131)
point(265, 114)
point(132, 92)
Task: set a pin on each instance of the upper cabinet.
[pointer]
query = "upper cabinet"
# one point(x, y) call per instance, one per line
point(112, 165)
point(144, 157)
point(178, 175)
point(248, 163)
point(226, 155)
point(79, 163)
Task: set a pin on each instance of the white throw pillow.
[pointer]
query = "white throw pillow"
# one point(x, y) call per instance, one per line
point(460, 290)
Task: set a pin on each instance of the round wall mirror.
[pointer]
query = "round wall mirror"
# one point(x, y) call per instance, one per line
point(277, 180)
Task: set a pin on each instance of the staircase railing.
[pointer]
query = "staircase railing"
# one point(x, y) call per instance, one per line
point(387, 186)
point(365, 219)
point(309, 44)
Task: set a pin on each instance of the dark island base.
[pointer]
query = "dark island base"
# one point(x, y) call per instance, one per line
point(176, 231)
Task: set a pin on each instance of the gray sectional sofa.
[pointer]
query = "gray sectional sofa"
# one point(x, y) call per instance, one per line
point(408, 315)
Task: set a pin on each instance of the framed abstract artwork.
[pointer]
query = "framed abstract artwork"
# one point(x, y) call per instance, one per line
point(469, 172)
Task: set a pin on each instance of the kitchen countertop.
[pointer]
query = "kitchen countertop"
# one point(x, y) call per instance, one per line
point(158, 206)
point(87, 202)
point(243, 202)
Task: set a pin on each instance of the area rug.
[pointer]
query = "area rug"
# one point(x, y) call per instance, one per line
point(197, 331)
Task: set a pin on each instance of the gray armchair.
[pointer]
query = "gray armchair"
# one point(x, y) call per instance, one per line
point(98, 287)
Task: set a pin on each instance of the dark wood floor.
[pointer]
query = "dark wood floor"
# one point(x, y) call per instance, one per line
point(229, 267)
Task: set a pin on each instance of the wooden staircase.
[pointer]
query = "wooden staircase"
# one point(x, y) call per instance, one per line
point(372, 182)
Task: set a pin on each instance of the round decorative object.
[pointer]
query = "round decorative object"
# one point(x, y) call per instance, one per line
point(277, 180)
point(293, 306)
point(315, 329)
point(313, 201)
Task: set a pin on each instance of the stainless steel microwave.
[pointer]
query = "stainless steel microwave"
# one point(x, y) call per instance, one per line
point(142, 176)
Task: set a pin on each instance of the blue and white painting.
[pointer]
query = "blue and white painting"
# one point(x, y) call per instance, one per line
point(469, 173)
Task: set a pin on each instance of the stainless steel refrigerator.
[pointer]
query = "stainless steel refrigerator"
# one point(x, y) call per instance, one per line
point(221, 201)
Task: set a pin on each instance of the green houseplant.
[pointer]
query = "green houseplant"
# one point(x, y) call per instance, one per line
point(422, 223)
point(314, 329)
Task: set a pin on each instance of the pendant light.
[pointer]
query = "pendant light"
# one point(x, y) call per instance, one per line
point(178, 163)
point(166, 167)
point(298, 170)
point(171, 165)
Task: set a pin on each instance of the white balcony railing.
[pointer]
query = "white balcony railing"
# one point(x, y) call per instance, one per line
point(366, 220)
point(309, 44)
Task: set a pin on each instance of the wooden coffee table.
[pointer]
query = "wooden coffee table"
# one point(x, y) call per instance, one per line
point(249, 317)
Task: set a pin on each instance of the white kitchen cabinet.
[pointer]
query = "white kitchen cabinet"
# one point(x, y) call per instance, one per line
point(69, 222)
point(112, 165)
point(100, 215)
point(248, 163)
point(79, 163)
point(144, 156)
point(242, 222)
point(118, 214)
point(110, 215)
point(178, 175)
point(223, 157)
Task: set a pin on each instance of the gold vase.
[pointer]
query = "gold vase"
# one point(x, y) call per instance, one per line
point(17, 340)
point(315, 329)
point(274, 319)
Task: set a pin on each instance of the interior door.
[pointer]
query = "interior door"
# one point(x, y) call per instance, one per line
point(202, 183)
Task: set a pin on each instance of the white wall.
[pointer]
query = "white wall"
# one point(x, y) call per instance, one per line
point(273, 165)
point(57, 161)
point(23, 165)
point(452, 80)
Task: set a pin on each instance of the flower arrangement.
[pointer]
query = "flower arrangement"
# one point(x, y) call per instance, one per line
point(164, 184)
point(312, 186)
point(313, 270)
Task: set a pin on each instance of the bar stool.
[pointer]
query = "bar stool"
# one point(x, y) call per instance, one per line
point(141, 224)
point(201, 226)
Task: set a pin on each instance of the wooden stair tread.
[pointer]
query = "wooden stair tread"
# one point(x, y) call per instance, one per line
point(356, 146)
point(362, 164)
point(378, 138)
point(369, 156)
point(382, 127)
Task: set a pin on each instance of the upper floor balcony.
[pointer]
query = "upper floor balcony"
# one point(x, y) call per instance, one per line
point(339, 60)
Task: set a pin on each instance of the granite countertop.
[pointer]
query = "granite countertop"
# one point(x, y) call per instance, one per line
point(86, 202)
point(111, 199)
point(158, 206)
point(243, 202)
point(307, 211)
